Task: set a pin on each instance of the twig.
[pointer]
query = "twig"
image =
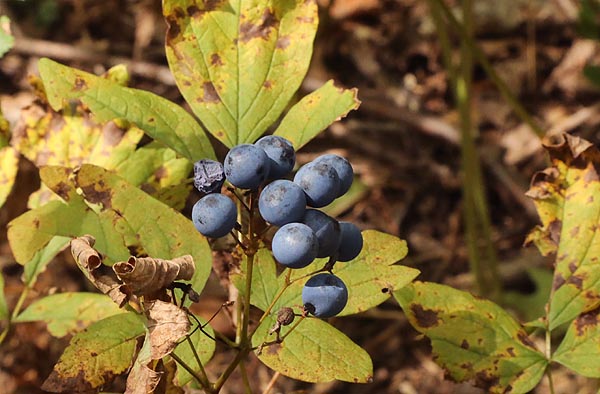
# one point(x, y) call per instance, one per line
point(43, 48)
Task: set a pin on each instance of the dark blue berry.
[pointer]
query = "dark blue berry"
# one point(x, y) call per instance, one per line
point(327, 230)
point(320, 182)
point(295, 245)
point(214, 215)
point(246, 166)
point(343, 169)
point(280, 151)
point(351, 242)
point(282, 202)
point(324, 295)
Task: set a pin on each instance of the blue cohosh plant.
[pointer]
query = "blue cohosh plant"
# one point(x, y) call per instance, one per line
point(116, 204)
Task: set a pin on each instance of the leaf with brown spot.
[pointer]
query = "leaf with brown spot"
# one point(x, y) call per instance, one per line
point(315, 112)
point(564, 197)
point(222, 53)
point(167, 324)
point(162, 232)
point(314, 352)
point(580, 348)
point(161, 119)
point(97, 355)
point(69, 138)
point(147, 275)
point(473, 339)
point(69, 313)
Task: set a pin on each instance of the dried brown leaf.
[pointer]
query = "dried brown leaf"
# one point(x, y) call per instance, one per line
point(167, 324)
point(148, 275)
point(142, 379)
point(100, 275)
point(84, 253)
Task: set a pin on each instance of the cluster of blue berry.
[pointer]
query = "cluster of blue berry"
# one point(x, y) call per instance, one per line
point(304, 234)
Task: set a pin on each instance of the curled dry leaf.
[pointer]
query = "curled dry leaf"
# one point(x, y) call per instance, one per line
point(144, 276)
point(84, 253)
point(167, 324)
point(101, 276)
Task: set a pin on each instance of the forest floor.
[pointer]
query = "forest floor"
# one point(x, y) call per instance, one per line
point(404, 143)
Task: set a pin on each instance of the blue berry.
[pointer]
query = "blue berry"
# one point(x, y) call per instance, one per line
point(320, 182)
point(214, 215)
point(295, 245)
point(208, 176)
point(351, 242)
point(282, 202)
point(326, 229)
point(343, 169)
point(246, 166)
point(281, 155)
point(324, 295)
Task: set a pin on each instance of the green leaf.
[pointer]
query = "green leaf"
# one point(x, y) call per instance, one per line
point(6, 39)
point(205, 348)
point(344, 203)
point(159, 118)
point(473, 339)
point(9, 165)
point(33, 231)
point(314, 352)
point(4, 312)
point(159, 172)
point(162, 231)
point(42, 258)
point(239, 63)
point(68, 313)
point(371, 277)
point(566, 198)
point(315, 112)
point(119, 215)
point(96, 355)
point(587, 24)
point(580, 348)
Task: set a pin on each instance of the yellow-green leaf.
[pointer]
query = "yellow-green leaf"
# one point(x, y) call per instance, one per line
point(473, 339)
point(158, 117)
point(238, 63)
point(314, 352)
point(580, 348)
point(6, 38)
point(315, 112)
point(9, 165)
point(69, 313)
point(567, 199)
point(97, 355)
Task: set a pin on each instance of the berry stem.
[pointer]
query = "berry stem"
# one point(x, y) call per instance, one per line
point(203, 376)
point(206, 385)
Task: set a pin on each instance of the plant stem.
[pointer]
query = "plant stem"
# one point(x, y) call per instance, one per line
point(191, 371)
point(505, 91)
point(15, 313)
point(482, 255)
point(203, 376)
point(245, 379)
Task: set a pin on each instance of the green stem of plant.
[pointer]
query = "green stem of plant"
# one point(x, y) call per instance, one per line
point(15, 313)
point(191, 371)
point(245, 379)
point(204, 381)
point(504, 90)
point(482, 255)
point(229, 370)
